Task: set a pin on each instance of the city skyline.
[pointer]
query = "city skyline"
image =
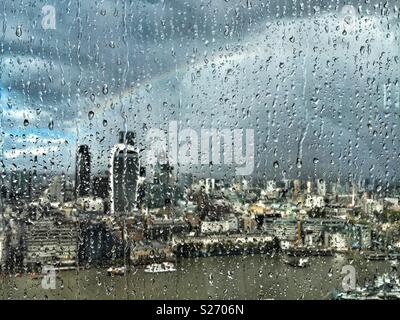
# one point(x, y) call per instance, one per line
point(200, 150)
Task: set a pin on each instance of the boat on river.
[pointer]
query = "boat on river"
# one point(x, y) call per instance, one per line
point(160, 267)
point(116, 271)
point(297, 262)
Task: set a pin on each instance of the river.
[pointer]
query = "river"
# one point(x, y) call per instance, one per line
point(229, 277)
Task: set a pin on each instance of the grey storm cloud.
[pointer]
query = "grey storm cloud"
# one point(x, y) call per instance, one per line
point(320, 89)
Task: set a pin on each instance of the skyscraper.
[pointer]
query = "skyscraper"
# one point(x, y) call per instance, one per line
point(35, 179)
point(124, 175)
point(296, 187)
point(82, 173)
point(55, 190)
point(101, 186)
point(162, 190)
point(310, 187)
point(21, 185)
point(321, 187)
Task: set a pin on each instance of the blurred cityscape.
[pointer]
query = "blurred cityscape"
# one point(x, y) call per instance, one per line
point(132, 217)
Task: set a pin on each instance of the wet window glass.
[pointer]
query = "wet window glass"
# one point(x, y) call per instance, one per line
point(208, 149)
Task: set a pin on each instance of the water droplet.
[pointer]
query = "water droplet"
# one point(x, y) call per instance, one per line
point(249, 4)
point(149, 87)
point(149, 107)
point(51, 125)
point(18, 31)
point(276, 164)
point(226, 30)
point(105, 89)
point(90, 115)
point(105, 123)
point(26, 122)
point(348, 20)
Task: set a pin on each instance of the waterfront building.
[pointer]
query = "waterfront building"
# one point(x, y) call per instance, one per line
point(336, 240)
point(163, 229)
point(249, 224)
point(361, 237)
point(369, 206)
point(154, 253)
point(313, 234)
point(285, 230)
point(228, 224)
point(48, 242)
point(313, 201)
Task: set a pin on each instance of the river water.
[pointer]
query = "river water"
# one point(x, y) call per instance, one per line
point(233, 277)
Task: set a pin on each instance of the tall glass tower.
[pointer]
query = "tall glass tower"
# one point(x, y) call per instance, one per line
point(124, 178)
point(82, 174)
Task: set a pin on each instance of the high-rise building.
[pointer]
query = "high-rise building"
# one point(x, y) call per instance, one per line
point(296, 187)
point(286, 183)
point(309, 187)
point(271, 186)
point(337, 187)
point(209, 185)
point(55, 191)
point(82, 173)
point(69, 190)
point(101, 187)
point(124, 175)
point(21, 185)
point(35, 180)
point(321, 187)
point(162, 191)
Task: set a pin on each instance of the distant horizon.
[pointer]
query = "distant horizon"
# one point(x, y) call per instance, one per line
point(234, 179)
